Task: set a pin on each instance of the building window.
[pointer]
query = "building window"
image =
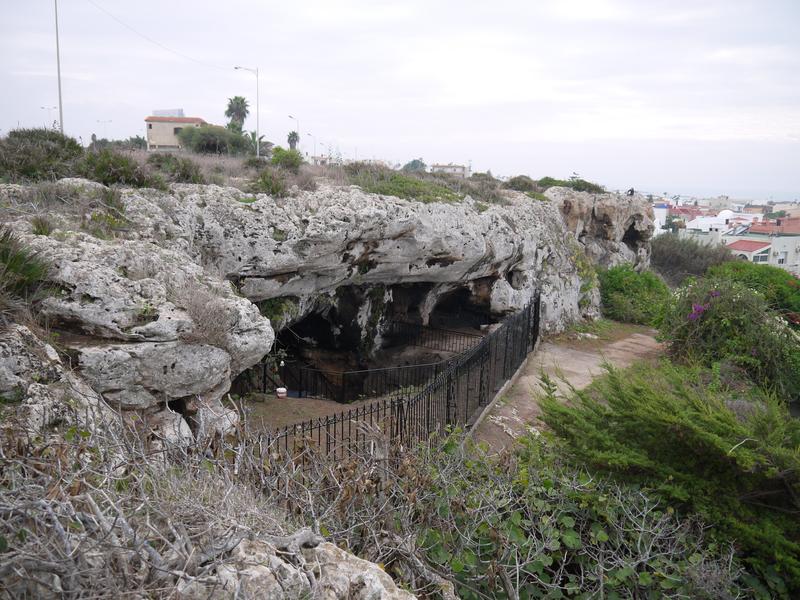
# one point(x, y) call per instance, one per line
point(149, 125)
point(176, 130)
point(782, 258)
point(760, 258)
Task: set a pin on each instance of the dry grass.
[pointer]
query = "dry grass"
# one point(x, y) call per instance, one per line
point(212, 317)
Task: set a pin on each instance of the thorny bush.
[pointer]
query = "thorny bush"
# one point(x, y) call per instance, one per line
point(115, 510)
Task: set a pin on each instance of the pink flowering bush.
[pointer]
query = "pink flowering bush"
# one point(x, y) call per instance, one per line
point(716, 320)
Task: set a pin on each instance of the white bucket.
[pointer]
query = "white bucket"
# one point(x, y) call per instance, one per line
point(280, 392)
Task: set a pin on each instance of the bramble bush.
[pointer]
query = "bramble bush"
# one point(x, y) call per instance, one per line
point(109, 168)
point(716, 319)
point(632, 297)
point(780, 288)
point(522, 183)
point(37, 154)
point(575, 183)
point(380, 180)
point(676, 258)
point(176, 168)
point(270, 181)
point(708, 443)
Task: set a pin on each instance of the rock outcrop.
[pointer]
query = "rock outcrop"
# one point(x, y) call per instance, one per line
point(161, 314)
point(613, 228)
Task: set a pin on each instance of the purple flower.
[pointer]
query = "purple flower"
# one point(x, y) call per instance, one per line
point(697, 311)
point(715, 293)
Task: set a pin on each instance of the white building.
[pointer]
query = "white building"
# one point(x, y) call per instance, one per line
point(723, 221)
point(162, 132)
point(451, 169)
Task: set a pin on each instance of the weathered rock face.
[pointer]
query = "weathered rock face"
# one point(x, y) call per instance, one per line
point(32, 373)
point(257, 570)
point(613, 228)
point(306, 248)
point(162, 314)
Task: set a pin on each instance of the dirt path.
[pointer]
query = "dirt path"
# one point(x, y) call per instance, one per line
point(569, 361)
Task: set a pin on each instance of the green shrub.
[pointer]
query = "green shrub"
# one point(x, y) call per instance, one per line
point(111, 168)
point(714, 319)
point(538, 196)
point(522, 523)
point(270, 181)
point(632, 297)
point(676, 258)
point(780, 288)
point(177, 168)
point(286, 159)
point(22, 272)
point(212, 139)
point(42, 225)
point(37, 154)
point(707, 443)
point(380, 180)
point(577, 184)
point(522, 183)
point(254, 162)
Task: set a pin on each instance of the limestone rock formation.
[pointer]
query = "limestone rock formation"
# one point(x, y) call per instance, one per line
point(613, 228)
point(159, 313)
point(257, 570)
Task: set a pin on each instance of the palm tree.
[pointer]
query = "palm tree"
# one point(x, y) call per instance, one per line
point(293, 139)
point(237, 111)
point(251, 138)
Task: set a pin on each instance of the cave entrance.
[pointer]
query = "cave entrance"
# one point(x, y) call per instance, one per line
point(462, 309)
point(632, 237)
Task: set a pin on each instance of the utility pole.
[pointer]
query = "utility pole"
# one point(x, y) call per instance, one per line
point(58, 64)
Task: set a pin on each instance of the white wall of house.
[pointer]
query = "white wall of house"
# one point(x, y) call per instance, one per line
point(784, 251)
point(660, 213)
point(163, 135)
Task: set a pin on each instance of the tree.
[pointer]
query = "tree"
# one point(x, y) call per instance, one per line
point(250, 136)
point(415, 166)
point(287, 159)
point(237, 112)
point(211, 139)
point(293, 139)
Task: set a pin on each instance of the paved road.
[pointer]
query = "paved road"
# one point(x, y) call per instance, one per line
point(567, 364)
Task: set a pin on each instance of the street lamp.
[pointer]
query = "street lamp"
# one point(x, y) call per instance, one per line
point(58, 64)
point(49, 109)
point(298, 127)
point(104, 123)
point(258, 131)
point(315, 144)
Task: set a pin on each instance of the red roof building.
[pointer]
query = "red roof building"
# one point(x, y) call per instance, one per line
point(786, 226)
point(748, 246)
point(162, 132)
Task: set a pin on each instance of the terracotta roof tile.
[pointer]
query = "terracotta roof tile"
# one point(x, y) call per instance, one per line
point(748, 245)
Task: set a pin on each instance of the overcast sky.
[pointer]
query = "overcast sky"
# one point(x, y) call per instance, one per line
point(687, 97)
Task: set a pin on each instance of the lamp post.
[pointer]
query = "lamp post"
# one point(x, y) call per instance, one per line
point(315, 144)
point(49, 113)
point(298, 127)
point(258, 130)
point(58, 65)
point(104, 123)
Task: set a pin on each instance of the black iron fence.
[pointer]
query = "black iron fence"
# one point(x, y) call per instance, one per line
point(454, 395)
point(400, 333)
point(390, 382)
